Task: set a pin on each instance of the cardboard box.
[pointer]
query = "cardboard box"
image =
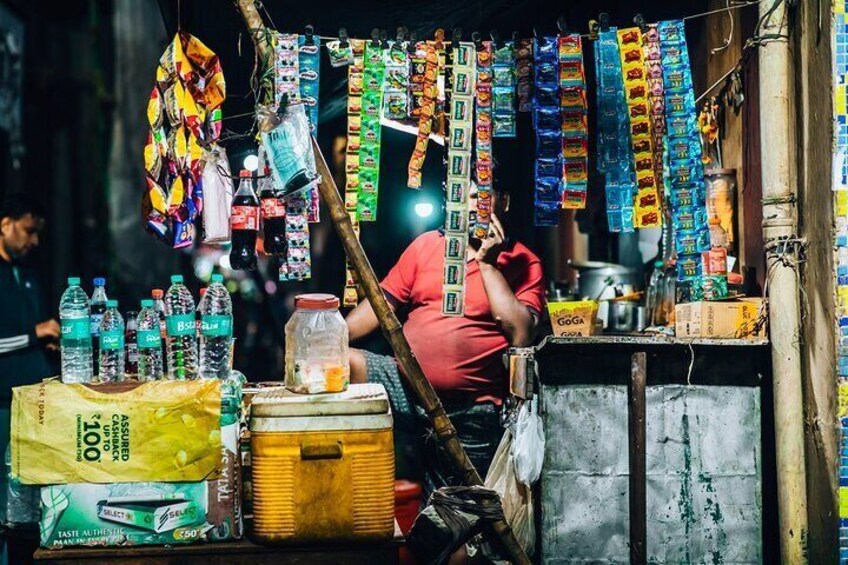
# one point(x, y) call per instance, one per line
point(127, 514)
point(737, 319)
point(571, 319)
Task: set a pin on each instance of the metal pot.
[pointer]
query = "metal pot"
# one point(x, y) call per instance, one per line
point(595, 277)
point(623, 316)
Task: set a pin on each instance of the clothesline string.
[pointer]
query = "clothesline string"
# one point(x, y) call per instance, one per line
point(735, 6)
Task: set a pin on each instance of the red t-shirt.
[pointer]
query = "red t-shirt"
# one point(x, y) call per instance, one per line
point(461, 356)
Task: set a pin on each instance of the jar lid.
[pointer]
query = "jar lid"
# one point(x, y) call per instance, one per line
point(358, 399)
point(316, 301)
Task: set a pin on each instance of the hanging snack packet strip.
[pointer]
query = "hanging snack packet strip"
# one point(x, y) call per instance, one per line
point(369, 147)
point(286, 68)
point(687, 190)
point(548, 124)
point(396, 84)
point(458, 177)
point(575, 128)
point(309, 63)
point(524, 73)
point(297, 266)
point(614, 154)
point(483, 141)
point(184, 116)
point(417, 69)
point(429, 94)
point(656, 101)
point(647, 210)
point(355, 82)
point(503, 91)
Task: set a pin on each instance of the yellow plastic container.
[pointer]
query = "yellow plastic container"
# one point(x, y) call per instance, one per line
point(323, 466)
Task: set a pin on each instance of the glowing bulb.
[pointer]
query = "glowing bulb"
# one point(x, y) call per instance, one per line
point(251, 163)
point(224, 261)
point(424, 209)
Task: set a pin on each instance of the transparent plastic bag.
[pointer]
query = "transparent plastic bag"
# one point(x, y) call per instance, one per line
point(21, 501)
point(288, 145)
point(217, 196)
point(528, 449)
point(516, 498)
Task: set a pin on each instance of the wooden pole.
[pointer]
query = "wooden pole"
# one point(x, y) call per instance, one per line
point(638, 457)
point(389, 323)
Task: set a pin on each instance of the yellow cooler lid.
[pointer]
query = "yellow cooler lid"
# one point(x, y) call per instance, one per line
point(357, 400)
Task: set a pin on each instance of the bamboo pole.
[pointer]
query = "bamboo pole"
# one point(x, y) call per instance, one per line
point(778, 127)
point(389, 323)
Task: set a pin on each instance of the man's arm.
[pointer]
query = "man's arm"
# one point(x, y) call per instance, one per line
point(362, 320)
point(44, 330)
point(516, 319)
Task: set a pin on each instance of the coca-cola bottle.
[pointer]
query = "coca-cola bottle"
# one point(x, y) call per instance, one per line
point(273, 216)
point(244, 224)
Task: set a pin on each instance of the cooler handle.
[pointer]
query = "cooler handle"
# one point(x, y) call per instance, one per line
point(312, 451)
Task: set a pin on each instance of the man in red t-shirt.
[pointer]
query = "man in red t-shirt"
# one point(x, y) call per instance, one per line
point(462, 357)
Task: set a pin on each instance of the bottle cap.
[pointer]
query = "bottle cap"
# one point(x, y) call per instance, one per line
point(217, 278)
point(316, 301)
point(176, 279)
point(203, 291)
point(245, 173)
point(157, 293)
point(73, 281)
point(99, 281)
point(111, 304)
point(147, 303)
point(659, 263)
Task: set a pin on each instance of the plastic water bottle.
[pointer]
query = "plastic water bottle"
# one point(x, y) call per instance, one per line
point(216, 330)
point(182, 336)
point(158, 296)
point(112, 359)
point(75, 343)
point(98, 308)
point(131, 343)
point(149, 339)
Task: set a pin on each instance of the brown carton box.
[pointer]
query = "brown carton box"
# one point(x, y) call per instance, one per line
point(737, 319)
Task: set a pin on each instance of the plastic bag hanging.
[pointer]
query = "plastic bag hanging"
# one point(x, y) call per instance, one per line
point(217, 197)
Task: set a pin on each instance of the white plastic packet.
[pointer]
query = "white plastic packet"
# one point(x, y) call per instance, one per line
point(516, 499)
point(217, 196)
point(528, 449)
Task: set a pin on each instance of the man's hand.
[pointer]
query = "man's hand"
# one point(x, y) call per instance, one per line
point(48, 330)
point(492, 245)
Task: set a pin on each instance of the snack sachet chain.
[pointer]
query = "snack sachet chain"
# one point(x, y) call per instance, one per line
point(503, 90)
point(634, 74)
point(523, 55)
point(309, 63)
point(184, 115)
point(483, 141)
point(426, 111)
point(656, 101)
point(575, 127)
point(687, 189)
point(355, 84)
point(458, 177)
point(297, 265)
point(369, 147)
point(614, 153)
point(396, 85)
point(548, 124)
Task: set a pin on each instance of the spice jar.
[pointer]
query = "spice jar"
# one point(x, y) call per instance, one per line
point(317, 346)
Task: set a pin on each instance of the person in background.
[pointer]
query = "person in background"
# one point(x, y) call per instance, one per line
point(25, 328)
point(462, 357)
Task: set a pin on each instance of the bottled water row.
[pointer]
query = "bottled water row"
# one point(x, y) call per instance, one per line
point(137, 345)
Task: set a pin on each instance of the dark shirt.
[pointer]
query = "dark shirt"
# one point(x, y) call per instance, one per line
point(22, 359)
